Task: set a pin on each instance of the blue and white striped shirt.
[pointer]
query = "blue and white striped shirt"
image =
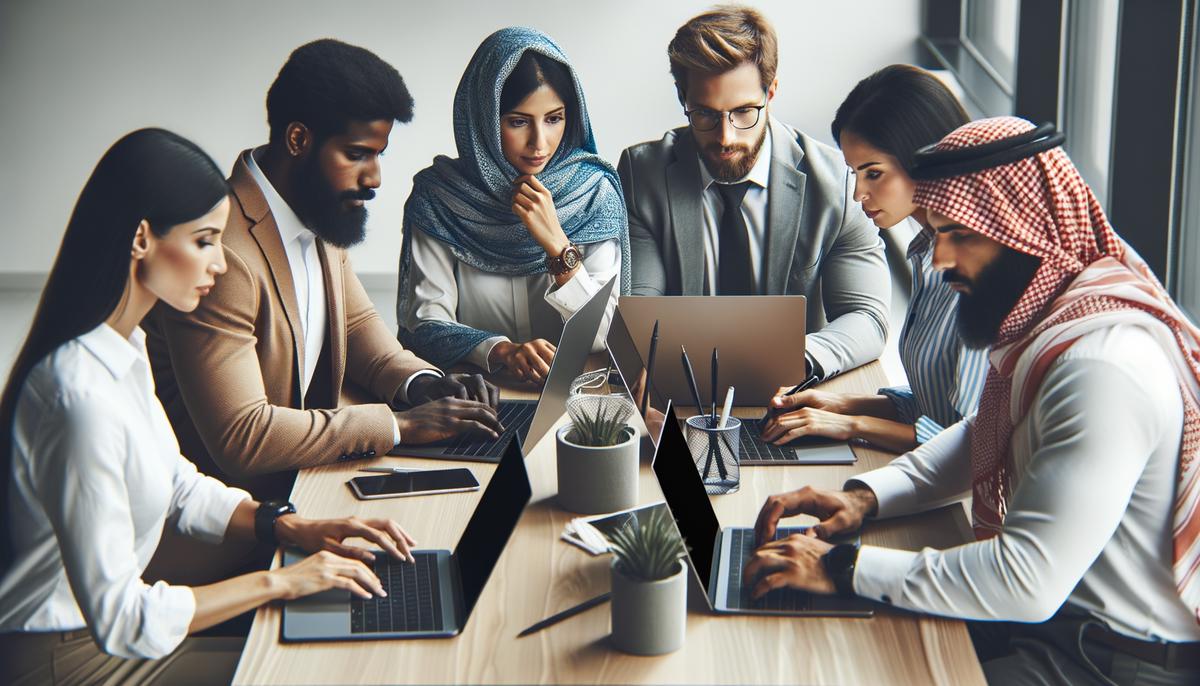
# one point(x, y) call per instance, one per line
point(945, 377)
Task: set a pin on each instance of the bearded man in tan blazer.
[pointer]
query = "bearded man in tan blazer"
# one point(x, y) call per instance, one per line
point(256, 380)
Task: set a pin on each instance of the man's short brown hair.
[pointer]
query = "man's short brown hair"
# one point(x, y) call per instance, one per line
point(720, 40)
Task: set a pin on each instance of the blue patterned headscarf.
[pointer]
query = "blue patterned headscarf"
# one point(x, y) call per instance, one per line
point(466, 203)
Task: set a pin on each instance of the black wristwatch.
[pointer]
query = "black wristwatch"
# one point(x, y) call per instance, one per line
point(265, 517)
point(839, 565)
point(565, 261)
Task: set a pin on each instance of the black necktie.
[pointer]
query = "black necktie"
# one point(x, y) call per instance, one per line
point(734, 274)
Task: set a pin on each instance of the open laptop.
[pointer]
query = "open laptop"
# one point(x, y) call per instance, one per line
point(432, 597)
point(743, 365)
point(529, 420)
point(719, 555)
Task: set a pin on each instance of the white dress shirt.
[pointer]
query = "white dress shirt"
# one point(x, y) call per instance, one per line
point(515, 308)
point(1090, 519)
point(300, 244)
point(96, 471)
point(754, 212)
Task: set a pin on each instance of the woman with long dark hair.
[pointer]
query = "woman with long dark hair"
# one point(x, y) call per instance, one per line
point(504, 242)
point(91, 469)
point(886, 118)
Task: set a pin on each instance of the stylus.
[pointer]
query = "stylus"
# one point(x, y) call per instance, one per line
point(567, 613)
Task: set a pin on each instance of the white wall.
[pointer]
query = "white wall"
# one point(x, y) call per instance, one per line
point(74, 76)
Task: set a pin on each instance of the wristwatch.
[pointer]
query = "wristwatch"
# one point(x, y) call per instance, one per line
point(565, 261)
point(839, 565)
point(264, 519)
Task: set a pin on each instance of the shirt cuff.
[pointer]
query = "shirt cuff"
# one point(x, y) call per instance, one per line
point(926, 429)
point(479, 354)
point(173, 608)
point(573, 294)
point(404, 389)
point(879, 573)
point(395, 431)
point(904, 401)
point(893, 490)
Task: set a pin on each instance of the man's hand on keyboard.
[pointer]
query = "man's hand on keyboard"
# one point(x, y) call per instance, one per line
point(312, 535)
point(427, 388)
point(839, 511)
point(792, 562)
point(448, 418)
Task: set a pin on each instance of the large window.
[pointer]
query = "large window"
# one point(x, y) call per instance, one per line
point(1091, 77)
point(990, 32)
point(1186, 275)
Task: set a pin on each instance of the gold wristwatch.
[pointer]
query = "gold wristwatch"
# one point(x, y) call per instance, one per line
point(565, 261)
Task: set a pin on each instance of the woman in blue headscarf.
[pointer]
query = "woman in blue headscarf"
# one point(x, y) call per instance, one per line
point(509, 239)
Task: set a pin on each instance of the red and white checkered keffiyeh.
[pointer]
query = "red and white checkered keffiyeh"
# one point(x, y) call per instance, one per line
point(1088, 279)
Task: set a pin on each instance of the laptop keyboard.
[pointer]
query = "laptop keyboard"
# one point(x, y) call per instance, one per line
point(413, 602)
point(753, 447)
point(515, 417)
point(780, 600)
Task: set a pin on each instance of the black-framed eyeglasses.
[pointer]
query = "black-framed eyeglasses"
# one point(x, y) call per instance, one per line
point(745, 117)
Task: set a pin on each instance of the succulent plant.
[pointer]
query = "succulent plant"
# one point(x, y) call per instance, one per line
point(648, 548)
point(599, 420)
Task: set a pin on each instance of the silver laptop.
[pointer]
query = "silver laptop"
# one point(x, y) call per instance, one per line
point(747, 362)
point(432, 597)
point(529, 420)
point(718, 555)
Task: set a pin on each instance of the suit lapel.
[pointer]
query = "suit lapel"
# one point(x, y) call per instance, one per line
point(266, 235)
point(687, 223)
point(335, 302)
point(785, 198)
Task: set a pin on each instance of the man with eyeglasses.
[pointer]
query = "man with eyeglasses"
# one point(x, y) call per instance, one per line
point(738, 203)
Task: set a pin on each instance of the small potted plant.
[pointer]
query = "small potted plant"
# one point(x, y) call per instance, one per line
point(597, 455)
point(649, 586)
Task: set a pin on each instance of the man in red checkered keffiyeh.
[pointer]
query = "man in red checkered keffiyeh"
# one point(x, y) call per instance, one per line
point(1082, 458)
point(1088, 279)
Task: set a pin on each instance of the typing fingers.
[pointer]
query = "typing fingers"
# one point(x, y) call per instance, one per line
point(397, 548)
point(768, 519)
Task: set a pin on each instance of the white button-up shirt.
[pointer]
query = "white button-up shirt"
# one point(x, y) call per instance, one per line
point(1090, 519)
point(300, 244)
point(96, 471)
point(754, 212)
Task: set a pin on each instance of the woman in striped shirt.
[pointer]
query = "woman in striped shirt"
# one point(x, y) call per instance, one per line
point(885, 119)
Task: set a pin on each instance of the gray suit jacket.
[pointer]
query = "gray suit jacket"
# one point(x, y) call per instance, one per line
point(819, 242)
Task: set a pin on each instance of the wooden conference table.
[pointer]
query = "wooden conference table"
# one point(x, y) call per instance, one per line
point(538, 575)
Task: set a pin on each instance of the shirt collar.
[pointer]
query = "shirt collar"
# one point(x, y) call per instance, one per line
point(116, 353)
point(760, 173)
point(289, 225)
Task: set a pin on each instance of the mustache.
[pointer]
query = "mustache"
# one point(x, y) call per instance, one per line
point(717, 148)
point(950, 276)
point(363, 194)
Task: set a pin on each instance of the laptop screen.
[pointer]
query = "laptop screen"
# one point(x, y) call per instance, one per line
point(684, 492)
point(491, 525)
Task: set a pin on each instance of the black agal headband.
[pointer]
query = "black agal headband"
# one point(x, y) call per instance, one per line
point(930, 164)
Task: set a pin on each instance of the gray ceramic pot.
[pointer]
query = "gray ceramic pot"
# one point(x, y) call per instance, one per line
point(595, 480)
point(649, 617)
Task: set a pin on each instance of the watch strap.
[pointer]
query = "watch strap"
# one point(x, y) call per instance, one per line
point(839, 564)
point(265, 517)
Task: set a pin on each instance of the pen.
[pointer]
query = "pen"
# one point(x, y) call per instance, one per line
point(727, 409)
point(567, 613)
point(691, 379)
point(712, 421)
point(802, 386)
point(649, 369)
point(391, 470)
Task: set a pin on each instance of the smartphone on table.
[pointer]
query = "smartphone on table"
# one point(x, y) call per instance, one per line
point(424, 482)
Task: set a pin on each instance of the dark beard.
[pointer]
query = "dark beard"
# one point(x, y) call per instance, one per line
point(736, 169)
point(324, 212)
point(993, 296)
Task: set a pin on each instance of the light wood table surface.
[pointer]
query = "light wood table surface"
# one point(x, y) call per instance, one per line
point(538, 575)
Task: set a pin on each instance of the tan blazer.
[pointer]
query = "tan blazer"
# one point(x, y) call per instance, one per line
point(228, 374)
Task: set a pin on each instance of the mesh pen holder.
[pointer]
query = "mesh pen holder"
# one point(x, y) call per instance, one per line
point(716, 452)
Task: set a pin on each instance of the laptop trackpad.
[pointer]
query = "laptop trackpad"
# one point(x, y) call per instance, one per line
point(830, 453)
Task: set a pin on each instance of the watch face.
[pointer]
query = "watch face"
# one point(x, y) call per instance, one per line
point(570, 257)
